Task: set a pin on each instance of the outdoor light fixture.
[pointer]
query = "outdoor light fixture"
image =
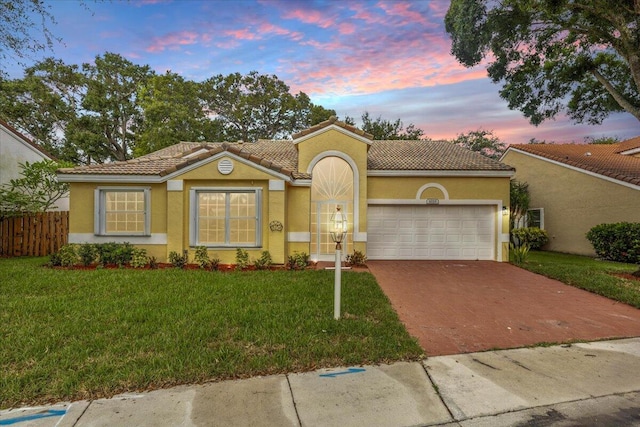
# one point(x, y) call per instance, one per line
point(505, 211)
point(338, 231)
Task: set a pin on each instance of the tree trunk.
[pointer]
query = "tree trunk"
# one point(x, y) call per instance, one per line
point(621, 100)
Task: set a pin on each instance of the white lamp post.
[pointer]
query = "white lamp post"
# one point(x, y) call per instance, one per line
point(338, 230)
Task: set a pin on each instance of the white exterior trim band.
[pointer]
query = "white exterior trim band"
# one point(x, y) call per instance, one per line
point(153, 239)
point(489, 174)
point(299, 236)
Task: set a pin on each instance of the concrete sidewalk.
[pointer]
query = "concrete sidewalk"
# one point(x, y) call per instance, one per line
point(581, 384)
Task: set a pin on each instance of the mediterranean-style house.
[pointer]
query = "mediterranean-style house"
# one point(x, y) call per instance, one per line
point(403, 199)
point(574, 187)
point(17, 149)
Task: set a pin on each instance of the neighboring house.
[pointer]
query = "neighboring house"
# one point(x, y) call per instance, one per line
point(403, 199)
point(16, 149)
point(574, 187)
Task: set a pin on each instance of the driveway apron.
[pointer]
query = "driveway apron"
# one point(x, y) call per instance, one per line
point(456, 307)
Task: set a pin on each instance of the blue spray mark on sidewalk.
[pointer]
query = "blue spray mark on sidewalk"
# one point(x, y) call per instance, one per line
point(46, 414)
point(348, 371)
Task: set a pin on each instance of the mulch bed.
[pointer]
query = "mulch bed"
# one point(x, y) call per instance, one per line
point(627, 276)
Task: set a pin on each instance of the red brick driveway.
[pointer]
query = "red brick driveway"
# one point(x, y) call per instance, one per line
point(465, 306)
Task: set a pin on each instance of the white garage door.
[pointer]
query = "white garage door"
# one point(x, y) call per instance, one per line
point(446, 232)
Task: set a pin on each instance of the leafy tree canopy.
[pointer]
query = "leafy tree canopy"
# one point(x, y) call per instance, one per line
point(483, 142)
point(173, 111)
point(603, 140)
point(24, 29)
point(112, 108)
point(383, 129)
point(582, 56)
point(255, 106)
point(37, 190)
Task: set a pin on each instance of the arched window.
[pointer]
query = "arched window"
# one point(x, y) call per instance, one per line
point(331, 186)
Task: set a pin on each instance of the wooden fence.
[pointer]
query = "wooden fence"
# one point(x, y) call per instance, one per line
point(37, 234)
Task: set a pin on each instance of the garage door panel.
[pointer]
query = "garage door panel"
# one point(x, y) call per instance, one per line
point(405, 238)
point(440, 224)
point(421, 238)
point(431, 232)
point(437, 238)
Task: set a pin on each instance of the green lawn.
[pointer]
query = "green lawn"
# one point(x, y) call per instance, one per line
point(70, 335)
point(587, 273)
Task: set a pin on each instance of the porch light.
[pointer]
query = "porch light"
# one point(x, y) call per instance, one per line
point(505, 211)
point(338, 227)
point(338, 231)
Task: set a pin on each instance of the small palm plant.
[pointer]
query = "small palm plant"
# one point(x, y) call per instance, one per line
point(520, 253)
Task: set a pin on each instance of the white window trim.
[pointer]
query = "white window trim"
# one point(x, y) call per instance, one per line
point(541, 216)
point(99, 214)
point(193, 214)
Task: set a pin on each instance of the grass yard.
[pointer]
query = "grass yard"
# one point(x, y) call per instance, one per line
point(587, 273)
point(78, 334)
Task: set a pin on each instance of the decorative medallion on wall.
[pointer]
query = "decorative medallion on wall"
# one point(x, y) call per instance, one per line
point(275, 226)
point(225, 166)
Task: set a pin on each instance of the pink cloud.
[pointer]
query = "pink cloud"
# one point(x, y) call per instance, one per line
point(439, 8)
point(268, 28)
point(172, 41)
point(313, 17)
point(150, 2)
point(402, 9)
point(363, 13)
point(242, 34)
point(346, 28)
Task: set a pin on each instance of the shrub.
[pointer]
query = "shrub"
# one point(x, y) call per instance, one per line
point(139, 258)
point(264, 261)
point(533, 237)
point(87, 254)
point(68, 255)
point(242, 259)
point(297, 261)
point(55, 260)
point(357, 259)
point(153, 263)
point(123, 253)
point(106, 253)
point(214, 264)
point(177, 260)
point(202, 257)
point(617, 242)
point(520, 254)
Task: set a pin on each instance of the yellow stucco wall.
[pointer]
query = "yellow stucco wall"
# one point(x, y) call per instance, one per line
point(246, 176)
point(573, 201)
point(285, 203)
point(81, 205)
point(170, 210)
point(81, 213)
point(298, 215)
point(457, 187)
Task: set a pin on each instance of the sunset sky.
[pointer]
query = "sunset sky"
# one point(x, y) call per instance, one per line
point(391, 58)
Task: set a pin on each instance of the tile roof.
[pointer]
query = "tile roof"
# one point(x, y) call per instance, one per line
point(600, 159)
point(279, 156)
point(282, 156)
point(428, 155)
